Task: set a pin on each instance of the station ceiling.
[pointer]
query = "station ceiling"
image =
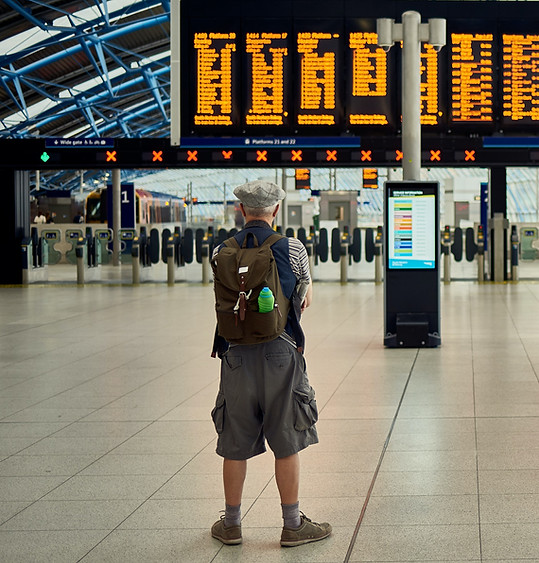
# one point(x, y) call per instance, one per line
point(84, 68)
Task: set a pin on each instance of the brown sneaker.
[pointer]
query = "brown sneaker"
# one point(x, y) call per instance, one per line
point(229, 536)
point(309, 531)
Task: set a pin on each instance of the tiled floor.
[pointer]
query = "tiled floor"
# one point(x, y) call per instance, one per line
point(107, 448)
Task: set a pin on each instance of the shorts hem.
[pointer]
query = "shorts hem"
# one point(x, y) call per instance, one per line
point(238, 457)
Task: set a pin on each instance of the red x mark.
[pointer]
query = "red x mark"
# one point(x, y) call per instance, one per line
point(366, 155)
point(261, 156)
point(398, 155)
point(111, 156)
point(157, 156)
point(435, 155)
point(192, 156)
point(469, 155)
point(331, 155)
point(297, 155)
point(227, 155)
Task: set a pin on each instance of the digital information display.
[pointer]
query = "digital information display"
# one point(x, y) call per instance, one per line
point(411, 227)
point(301, 68)
point(520, 79)
point(472, 81)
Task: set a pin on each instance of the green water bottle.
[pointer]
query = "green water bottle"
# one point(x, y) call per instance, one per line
point(266, 300)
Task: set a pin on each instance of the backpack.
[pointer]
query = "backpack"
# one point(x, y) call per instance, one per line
point(240, 273)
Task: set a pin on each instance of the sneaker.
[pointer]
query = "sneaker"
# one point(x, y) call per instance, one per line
point(229, 536)
point(309, 531)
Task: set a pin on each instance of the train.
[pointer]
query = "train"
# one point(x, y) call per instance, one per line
point(64, 206)
point(150, 207)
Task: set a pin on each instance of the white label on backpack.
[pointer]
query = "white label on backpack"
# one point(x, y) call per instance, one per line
point(243, 270)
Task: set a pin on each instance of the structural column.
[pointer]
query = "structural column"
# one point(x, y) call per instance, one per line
point(498, 205)
point(14, 223)
point(116, 215)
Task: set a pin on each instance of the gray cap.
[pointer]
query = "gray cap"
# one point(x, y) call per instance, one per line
point(259, 193)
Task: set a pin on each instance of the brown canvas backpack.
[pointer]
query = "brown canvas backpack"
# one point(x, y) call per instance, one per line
point(240, 273)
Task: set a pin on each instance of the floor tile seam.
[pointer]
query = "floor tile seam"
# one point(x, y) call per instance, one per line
point(141, 505)
point(359, 522)
point(90, 355)
point(84, 469)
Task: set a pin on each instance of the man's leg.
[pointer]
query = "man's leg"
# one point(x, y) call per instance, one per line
point(228, 529)
point(287, 477)
point(297, 529)
point(234, 472)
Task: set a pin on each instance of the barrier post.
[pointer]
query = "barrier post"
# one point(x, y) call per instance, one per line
point(446, 251)
point(515, 247)
point(80, 252)
point(170, 261)
point(480, 254)
point(345, 243)
point(378, 244)
point(135, 263)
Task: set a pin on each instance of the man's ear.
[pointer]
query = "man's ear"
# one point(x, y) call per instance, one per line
point(242, 209)
point(274, 214)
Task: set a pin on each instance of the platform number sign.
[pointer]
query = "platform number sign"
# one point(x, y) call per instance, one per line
point(127, 203)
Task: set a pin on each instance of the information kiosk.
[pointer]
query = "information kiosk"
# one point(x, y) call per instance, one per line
point(412, 253)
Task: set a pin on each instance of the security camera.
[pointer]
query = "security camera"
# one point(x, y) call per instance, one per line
point(437, 48)
point(386, 48)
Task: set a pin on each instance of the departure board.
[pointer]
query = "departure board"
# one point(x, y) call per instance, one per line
point(431, 113)
point(298, 69)
point(472, 77)
point(267, 96)
point(368, 96)
point(214, 91)
point(318, 60)
point(520, 79)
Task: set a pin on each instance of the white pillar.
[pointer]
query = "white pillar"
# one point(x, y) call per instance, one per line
point(411, 91)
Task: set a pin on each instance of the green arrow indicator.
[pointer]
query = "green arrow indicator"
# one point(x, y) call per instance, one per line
point(45, 156)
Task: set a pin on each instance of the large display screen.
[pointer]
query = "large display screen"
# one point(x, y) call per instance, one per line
point(299, 68)
point(411, 227)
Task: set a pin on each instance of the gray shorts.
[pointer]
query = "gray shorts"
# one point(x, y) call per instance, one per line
point(264, 394)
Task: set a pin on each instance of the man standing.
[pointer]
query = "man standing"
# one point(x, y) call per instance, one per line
point(264, 387)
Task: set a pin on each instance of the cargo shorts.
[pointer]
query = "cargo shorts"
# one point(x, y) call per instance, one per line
point(264, 394)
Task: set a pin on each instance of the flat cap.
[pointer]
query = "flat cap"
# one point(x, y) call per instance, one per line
point(259, 193)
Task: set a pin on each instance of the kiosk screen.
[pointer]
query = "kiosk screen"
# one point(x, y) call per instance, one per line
point(411, 228)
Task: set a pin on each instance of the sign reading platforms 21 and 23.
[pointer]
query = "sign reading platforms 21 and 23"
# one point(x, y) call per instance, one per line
point(299, 68)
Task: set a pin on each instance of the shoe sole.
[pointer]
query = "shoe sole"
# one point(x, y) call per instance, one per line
point(235, 541)
point(295, 543)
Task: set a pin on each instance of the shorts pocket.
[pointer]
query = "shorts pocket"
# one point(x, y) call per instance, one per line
point(218, 413)
point(305, 409)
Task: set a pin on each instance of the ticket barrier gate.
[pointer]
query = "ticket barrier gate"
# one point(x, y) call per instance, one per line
point(72, 237)
point(309, 241)
point(529, 243)
point(103, 238)
point(52, 236)
point(144, 252)
point(340, 247)
point(35, 256)
point(89, 253)
point(204, 244)
point(452, 244)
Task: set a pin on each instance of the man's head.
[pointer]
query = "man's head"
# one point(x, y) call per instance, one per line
point(259, 199)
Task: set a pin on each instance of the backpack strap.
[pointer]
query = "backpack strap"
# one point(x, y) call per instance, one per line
point(272, 239)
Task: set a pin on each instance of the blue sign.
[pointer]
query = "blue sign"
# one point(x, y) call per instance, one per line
point(74, 143)
point(127, 202)
point(270, 142)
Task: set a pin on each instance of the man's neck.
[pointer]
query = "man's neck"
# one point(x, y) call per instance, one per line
point(258, 221)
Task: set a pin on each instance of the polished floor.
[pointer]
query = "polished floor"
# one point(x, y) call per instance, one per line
point(107, 448)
